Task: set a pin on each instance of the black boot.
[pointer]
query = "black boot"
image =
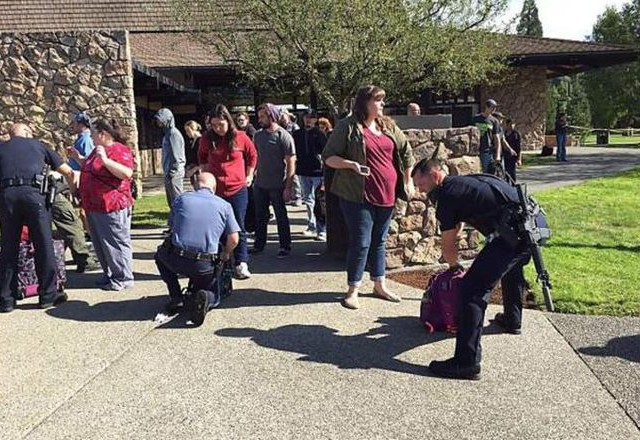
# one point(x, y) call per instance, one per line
point(58, 299)
point(453, 370)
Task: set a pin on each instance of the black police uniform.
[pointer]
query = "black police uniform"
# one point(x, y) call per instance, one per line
point(470, 199)
point(21, 160)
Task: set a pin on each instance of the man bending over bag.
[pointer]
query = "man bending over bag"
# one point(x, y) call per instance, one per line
point(481, 201)
point(198, 220)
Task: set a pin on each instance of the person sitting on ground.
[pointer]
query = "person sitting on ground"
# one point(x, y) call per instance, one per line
point(199, 220)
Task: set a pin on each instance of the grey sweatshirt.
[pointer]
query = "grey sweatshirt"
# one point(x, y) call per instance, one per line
point(173, 154)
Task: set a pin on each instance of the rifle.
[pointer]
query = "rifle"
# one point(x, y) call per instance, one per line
point(533, 235)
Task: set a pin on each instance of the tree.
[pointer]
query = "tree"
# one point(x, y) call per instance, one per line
point(614, 92)
point(529, 24)
point(568, 94)
point(332, 47)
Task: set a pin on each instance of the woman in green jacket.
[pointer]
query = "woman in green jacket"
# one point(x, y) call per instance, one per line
point(373, 163)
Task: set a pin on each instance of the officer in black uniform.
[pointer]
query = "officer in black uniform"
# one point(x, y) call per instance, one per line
point(22, 161)
point(471, 199)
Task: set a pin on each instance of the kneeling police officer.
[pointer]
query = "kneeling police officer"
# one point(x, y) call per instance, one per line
point(479, 200)
point(198, 220)
point(22, 161)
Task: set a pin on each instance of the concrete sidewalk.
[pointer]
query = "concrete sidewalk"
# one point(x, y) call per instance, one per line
point(282, 359)
point(583, 163)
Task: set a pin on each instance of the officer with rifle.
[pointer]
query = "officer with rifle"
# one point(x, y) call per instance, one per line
point(25, 199)
point(514, 227)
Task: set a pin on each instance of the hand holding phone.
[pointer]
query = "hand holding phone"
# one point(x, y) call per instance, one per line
point(364, 170)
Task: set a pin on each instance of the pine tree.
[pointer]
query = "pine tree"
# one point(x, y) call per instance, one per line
point(529, 24)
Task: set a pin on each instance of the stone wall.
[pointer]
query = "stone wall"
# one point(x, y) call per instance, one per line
point(414, 236)
point(522, 97)
point(47, 77)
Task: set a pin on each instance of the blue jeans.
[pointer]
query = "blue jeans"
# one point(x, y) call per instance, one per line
point(309, 187)
point(561, 151)
point(239, 202)
point(496, 260)
point(486, 156)
point(263, 198)
point(368, 226)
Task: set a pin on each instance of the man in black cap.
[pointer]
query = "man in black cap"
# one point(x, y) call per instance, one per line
point(22, 161)
point(489, 127)
point(310, 142)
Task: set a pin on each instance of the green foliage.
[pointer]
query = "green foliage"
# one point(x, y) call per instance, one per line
point(332, 47)
point(530, 24)
point(614, 92)
point(569, 95)
point(594, 248)
point(150, 212)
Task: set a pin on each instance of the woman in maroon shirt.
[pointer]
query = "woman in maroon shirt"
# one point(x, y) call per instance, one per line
point(373, 161)
point(105, 194)
point(230, 155)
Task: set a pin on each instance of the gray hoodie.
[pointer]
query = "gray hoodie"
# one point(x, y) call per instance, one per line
point(173, 155)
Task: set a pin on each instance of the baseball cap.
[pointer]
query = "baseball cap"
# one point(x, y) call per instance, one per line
point(491, 103)
point(82, 118)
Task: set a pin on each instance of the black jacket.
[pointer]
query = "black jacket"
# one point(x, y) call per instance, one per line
point(309, 146)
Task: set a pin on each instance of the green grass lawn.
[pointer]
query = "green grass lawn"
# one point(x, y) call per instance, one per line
point(150, 212)
point(594, 254)
point(614, 139)
point(534, 160)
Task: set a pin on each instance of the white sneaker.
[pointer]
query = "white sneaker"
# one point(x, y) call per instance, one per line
point(309, 232)
point(322, 236)
point(242, 271)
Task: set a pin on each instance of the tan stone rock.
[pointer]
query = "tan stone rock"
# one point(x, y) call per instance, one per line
point(12, 88)
point(410, 223)
point(394, 227)
point(64, 77)
point(57, 59)
point(115, 68)
point(459, 144)
point(392, 241)
point(463, 165)
point(394, 258)
point(416, 207)
point(97, 54)
point(473, 239)
point(429, 224)
point(8, 101)
point(400, 208)
point(409, 239)
point(426, 252)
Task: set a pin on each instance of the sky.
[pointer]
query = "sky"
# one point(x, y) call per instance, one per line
point(567, 19)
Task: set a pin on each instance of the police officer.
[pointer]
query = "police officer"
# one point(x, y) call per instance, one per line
point(198, 220)
point(21, 165)
point(476, 200)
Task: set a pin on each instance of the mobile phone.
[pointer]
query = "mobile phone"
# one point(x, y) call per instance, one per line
point(364, 170)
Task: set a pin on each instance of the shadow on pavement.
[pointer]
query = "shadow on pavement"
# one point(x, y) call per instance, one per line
point(377, 348)
point(626, 347)
point(306, 256)
point(88, 280)
point(142, 309)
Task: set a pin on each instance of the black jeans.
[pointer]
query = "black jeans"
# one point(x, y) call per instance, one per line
point(201, 274)
point(496, 260)
point(263, 198)
point(24, 205)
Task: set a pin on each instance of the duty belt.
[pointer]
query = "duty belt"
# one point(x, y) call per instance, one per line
point(19, 181)
point(191, 255)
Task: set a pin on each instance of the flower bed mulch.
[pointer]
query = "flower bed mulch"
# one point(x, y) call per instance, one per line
point(418, 279)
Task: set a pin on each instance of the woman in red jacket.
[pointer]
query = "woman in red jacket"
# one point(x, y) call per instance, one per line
point(230, 155)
